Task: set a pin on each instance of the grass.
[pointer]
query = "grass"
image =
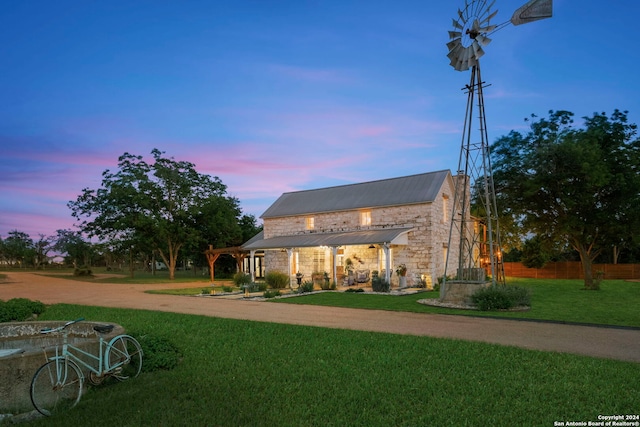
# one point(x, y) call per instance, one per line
point(556, 300)
point(241, 373)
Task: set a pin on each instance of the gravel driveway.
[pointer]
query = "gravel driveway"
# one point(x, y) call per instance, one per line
point(604, 342)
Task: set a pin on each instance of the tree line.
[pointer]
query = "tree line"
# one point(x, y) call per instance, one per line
point(164, 210)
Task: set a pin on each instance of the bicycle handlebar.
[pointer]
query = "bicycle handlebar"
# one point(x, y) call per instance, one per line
point(59, 328)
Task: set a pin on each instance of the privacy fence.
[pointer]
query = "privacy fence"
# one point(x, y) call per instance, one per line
point(571, 270)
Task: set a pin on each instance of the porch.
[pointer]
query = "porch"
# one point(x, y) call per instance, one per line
point(337, 256)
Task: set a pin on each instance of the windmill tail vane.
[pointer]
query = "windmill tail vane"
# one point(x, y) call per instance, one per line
point(533, 11)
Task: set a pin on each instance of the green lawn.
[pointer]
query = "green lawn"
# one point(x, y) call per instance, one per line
point(554, 300)
point(557, 300)
point(241, 373)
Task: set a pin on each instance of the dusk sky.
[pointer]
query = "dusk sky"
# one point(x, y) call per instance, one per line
point(277, 96)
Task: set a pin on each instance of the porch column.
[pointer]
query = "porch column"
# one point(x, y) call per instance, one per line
point(252, 265)
point(387, 263)
point(334, 251)
point(289, 256)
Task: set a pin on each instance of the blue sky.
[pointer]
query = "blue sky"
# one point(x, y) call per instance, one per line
point(276, 96)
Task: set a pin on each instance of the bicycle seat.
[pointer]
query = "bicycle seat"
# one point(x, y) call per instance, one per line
point(103, 329)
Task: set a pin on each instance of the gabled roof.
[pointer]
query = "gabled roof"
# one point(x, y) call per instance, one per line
point(406, 190)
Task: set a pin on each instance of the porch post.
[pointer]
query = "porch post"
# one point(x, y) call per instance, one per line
point(289, 256)
point(252, 265)
point(387, 263)
point(334, 251)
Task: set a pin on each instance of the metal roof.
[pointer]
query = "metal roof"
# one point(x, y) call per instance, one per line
point(361, 237)
point(387, 192)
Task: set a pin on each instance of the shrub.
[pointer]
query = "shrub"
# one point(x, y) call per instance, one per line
point(241, 279)
point(327, 285)
point(378, 284)
point(159, 353)
point(83, 271)
point(227, 289)
point(19, 309)
point(271, 294)
point(307, 286)
point(276, 280)
point(355, 290)
point(501, 298)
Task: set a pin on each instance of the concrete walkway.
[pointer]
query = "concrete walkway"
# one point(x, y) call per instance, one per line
point(612, 343)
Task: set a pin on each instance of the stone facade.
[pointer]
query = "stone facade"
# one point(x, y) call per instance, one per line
point(424, 253)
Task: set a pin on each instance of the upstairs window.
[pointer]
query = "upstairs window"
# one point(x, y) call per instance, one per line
point(445, 208)
point(365, 218)
point(310, 223)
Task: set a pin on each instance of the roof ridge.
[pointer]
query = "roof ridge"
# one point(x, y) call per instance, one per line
point(365, 182)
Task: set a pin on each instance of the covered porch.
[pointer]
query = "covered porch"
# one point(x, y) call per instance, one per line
point(332, 254)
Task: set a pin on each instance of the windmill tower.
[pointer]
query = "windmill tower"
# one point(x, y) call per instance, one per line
point(475, 221)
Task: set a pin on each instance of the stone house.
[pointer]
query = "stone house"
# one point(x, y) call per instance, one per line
point(364, 228)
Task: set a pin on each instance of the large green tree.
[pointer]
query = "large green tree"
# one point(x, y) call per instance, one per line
point(164, 205)
point(572, 185)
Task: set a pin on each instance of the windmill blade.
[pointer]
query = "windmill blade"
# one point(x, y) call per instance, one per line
point(483, 40)
point(487, 29)
point(454, 35)
point(457, 25)
point(452, 44)
point(453, 52)
point(477, 50)
point(486, 20)
point(487, 10)
point(534, 10)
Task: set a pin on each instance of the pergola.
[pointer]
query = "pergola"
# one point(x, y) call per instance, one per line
point(213, 254)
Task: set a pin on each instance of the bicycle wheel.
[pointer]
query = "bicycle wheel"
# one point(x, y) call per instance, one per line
point(56, 387)
point(124, 357)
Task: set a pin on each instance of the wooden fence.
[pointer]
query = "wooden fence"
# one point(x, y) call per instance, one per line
point(571, 270)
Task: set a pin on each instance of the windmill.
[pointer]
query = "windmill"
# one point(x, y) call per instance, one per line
point(479, 247)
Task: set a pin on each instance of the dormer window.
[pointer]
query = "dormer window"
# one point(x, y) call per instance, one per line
point(365, 218)
point(310, 223)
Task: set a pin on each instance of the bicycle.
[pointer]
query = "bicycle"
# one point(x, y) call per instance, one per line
point(57, 385)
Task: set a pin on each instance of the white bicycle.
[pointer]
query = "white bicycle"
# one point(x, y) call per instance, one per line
point(57, 385)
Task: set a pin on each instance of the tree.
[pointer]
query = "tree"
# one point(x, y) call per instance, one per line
point(572, 185)
point(41, 249)
point(160, 205)
point(75, 248)
point(18, 248)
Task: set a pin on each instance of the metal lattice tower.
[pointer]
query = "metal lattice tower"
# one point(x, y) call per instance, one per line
point(475, 220)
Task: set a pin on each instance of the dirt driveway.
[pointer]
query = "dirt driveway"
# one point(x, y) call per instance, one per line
point(613, 343)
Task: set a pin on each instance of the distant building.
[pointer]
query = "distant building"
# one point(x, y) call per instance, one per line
point(365, 227)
